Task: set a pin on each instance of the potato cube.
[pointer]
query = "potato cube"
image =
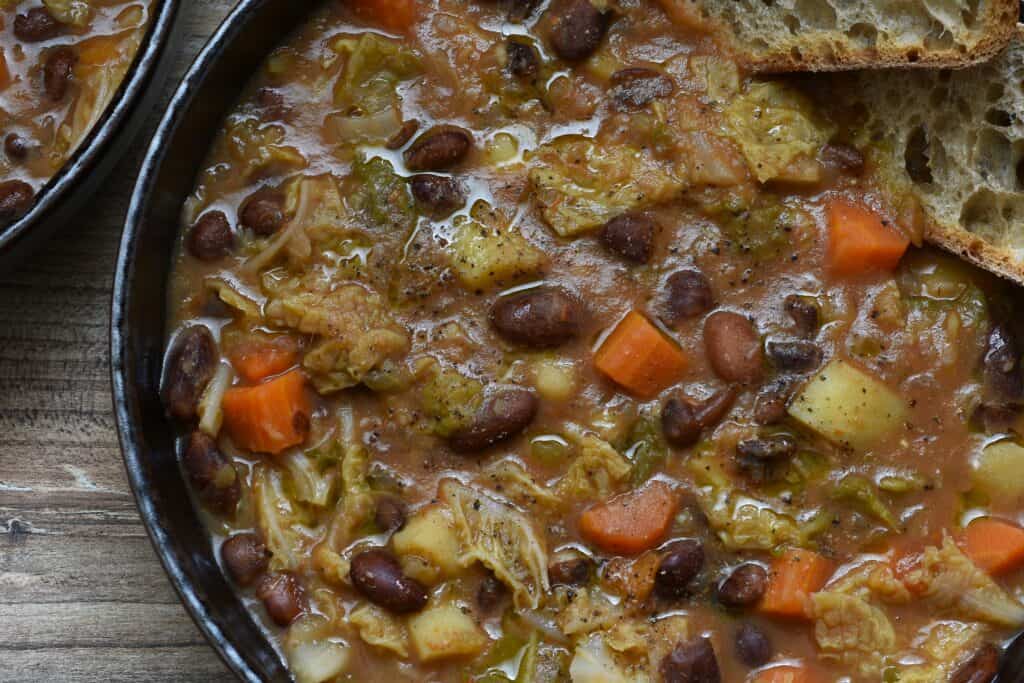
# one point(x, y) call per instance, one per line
point(999, 472)
point(430, 534)
point(487, 252)
point(445, 631)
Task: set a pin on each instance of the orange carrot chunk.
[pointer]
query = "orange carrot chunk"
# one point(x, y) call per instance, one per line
point(793, 577)
point(640, 358)
point(5, 73)
point(632, 522)
point(393, 15)
point(256, 360)
point(269, 417)
point(994, 545)
point(785, 674)
point(859, 242)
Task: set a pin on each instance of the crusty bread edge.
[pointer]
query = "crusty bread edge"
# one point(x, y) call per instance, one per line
point(1001, 18)
point(976, 250)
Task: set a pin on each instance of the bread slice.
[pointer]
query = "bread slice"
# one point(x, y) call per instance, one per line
point(955, 140)
point(832, 35)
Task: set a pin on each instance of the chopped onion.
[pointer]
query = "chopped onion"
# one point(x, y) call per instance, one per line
point(210, 414)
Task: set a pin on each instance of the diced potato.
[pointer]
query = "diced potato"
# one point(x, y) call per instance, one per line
point(318, 662)
point(430, 534)
point(443, 632)
point(555, 379)
point(999, 471)
point(488, 252)
point(849, 407)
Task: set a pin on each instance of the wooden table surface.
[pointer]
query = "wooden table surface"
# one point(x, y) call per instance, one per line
point(82, 595)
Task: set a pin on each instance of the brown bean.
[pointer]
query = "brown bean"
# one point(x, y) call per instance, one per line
point(688, 294)
point(845, 158)
point(733, 347)
point(637, 87)
point(263, 212)
point(993, 418)
point(768, 448)
point(503, 415)
point(246, 557)
point(753, 646)
point(982, 667)
point(390, 514)
point(490, 593)
point(631, 236)
point(577, 29)
point(16, 147)
point(404, 134)
point(541, 317)
point(59, 72)
point(572, 572)
point(678, 568)
point(438, 196)
point(36, 25)
point(378, 576)
point(683, 420)
point(772, 401)
point(1001, 365)
point(283, 597)
point(523, 59)
point(804, 314)
point(213, 477)
point(16, 197)
point(794, 356)
point(439, 149)
point(744, 587)
point(211, 238)
point(691, 662)
point(190, 366)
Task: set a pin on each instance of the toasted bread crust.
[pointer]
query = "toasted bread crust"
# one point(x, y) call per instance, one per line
point(974, 249)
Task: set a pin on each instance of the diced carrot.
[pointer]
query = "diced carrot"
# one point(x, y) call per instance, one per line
point(5, 73)
point(259, 359)
point(632, 522)
point(393, 15)
point(859, 241)
point(994, 545)
point(793, 577)
point(640, 358)
point(268, 417)
point(785, 674)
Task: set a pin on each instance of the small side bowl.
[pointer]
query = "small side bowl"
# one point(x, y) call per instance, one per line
point(139, 324)
point(79, 179)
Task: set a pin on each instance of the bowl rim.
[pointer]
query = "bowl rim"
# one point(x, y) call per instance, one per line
point(91, 150)
point(121, 298)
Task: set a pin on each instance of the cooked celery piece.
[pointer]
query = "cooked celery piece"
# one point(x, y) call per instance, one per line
point(999, 471)
point(647, 448)
point(862, 493)
point(849, 407)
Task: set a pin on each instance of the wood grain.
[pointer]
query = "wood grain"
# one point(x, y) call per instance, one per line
point(82, 595)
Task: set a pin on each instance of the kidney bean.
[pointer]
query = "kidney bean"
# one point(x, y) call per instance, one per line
point(540, 317)
point(190, 366)
point(772, 401)
point(678, 568)
point(246, 557)
point(804, 314)
point(502, 416)
point(733, 347)
point(982, 667)
point(36, 25)
point(688, 295)
point(211, 238)
point(577, 29)
point(631, 236)
point(1001, 364)
point(523, 59)
point(378, 576)
point(637, 87)
point(16, 197)
point(691, 662)
point(1011, 668)
point(683, 420)
point(843, 157)
point(993, 418)
point(58, 72)
point(439, 196)
point(389, 514)
point(744, 587)
point(573, 572)
point(263, 212)
point(283, 597)
point(439, 149)
point(753, 647)
point(794, 356)
point(490, 593)
point(16, 147)
point(404, 134)
point(211, 473)
point(775, 447)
